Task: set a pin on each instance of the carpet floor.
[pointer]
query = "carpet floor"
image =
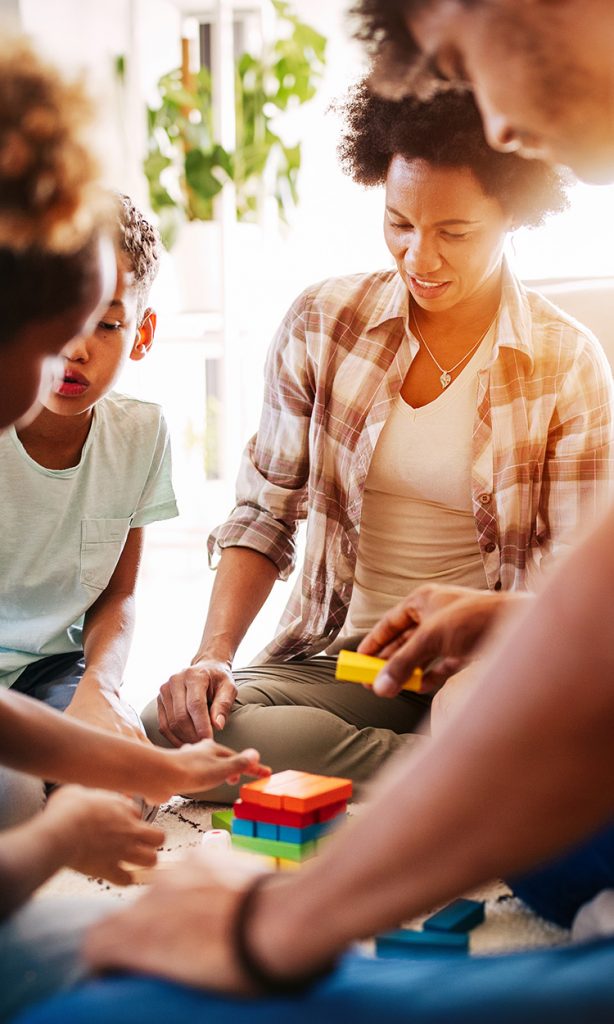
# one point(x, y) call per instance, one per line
point(508, 924)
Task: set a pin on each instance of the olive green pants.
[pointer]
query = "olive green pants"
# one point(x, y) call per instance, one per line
point(298, 716)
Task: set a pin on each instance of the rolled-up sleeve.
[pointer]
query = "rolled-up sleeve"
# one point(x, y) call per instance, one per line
point(578, 468)
point(271, 493)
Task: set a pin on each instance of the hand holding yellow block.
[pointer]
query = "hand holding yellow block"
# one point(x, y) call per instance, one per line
point(353, 667)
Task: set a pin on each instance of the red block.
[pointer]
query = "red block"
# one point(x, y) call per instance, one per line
point(330, 811)
point(272, 816)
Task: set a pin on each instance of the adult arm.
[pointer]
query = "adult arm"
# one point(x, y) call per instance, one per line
point(256, 543)
point(38, 740)
point(436, 628)
point(200, 697)
point(531, 772)
point(107, 635)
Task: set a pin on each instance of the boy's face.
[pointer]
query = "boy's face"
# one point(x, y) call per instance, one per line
point(31, 360)
point(542, 74)
point(93, 362)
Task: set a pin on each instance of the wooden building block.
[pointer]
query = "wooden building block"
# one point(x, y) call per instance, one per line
point(222, 818)
point(287, 851)
point(330, 811)
point(407, 943)
point(263, 830)
point(459, 916)
point(296, 791)
point(304, 835)
point(241, 827)
point(274, 816)
point(268, 792)
point(353, 667)
point(288, 865)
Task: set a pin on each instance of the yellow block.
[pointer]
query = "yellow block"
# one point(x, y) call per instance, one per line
point(288, 865)
point(362, 668)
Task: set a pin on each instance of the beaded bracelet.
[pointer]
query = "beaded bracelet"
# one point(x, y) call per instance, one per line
point(258, 975)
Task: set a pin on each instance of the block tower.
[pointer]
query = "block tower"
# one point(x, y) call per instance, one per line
point(287, 815)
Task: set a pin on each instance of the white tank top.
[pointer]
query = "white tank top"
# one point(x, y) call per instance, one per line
point(417, 521)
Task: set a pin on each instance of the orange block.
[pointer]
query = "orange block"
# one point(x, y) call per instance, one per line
point(296, 791)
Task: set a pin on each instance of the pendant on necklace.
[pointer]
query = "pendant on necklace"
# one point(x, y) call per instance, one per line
point(445, 379)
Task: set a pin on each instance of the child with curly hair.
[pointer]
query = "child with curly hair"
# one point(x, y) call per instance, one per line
point(58, 265)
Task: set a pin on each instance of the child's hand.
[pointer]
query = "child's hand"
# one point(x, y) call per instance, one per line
point(207, 764)
point(101, 829)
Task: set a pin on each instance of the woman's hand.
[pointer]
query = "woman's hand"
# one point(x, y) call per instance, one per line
point(196, 701)
point(99, 830)
point(181, 928)
point(434, 624)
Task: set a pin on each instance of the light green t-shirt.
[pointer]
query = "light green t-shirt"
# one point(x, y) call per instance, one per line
point(62, 531)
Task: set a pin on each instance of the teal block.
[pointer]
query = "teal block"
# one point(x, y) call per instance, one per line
point(406, 943)
point(459, 916)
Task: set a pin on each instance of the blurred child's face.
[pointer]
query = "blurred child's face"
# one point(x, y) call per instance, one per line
point(93, 362)
point(30, 361)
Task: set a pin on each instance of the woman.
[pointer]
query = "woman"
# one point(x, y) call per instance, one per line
point(432, 422)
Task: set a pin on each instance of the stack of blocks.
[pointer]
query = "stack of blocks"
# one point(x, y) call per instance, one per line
point(444, 932)
point(287, 815)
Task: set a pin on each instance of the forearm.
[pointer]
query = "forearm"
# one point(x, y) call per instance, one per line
point(29, 855)
point(42, 742)
point(244, 579)
point(107, 635)
point(530, 772)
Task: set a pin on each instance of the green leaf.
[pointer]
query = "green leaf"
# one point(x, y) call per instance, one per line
point(199, 174)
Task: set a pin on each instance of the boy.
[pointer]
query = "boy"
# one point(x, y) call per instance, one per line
point(79, 484)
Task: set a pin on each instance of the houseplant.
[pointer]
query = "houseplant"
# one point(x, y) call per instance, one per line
point(186, 167)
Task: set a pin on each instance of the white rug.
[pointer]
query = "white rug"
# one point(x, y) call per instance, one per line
point(509, 925)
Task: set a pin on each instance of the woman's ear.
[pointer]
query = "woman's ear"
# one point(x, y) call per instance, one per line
point(144, 335)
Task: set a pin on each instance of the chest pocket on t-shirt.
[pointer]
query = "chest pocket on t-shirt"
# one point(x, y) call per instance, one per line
point(102, 542)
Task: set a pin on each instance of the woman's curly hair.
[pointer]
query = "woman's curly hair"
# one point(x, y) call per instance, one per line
point(48, 174)
point(446, 131)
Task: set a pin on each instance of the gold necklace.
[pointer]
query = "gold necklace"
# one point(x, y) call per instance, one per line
point(445, 377)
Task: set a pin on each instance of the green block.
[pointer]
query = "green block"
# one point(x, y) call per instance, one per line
point(222, 819)
point(273, 848)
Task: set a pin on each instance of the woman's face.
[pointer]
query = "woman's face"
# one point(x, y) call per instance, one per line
point(445, 234)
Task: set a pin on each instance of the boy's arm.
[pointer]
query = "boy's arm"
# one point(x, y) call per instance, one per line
point(107, 634)
point(87, 830)
point(36, 739)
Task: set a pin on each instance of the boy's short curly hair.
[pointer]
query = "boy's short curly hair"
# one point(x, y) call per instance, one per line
point(446, 131)
point(140, 242)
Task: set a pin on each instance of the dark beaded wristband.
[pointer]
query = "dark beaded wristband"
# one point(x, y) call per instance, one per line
point(263, 981)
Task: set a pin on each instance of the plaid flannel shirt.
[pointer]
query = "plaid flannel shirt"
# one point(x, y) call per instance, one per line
point(541, 442)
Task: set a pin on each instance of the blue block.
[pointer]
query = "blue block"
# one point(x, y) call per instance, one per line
point(243, 827)
point(303, 835)
point(405, 943)
point(266, 831)
point(459, 916)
